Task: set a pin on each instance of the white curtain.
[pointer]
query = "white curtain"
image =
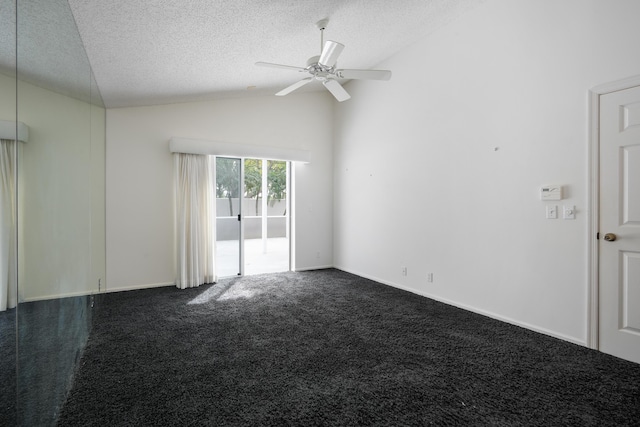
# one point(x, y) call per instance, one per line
point(195, 220)
point(8, 229)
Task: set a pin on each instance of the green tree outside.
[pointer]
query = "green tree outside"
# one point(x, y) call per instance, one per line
point(227, 180)
point(276, 181)
point(227, 183)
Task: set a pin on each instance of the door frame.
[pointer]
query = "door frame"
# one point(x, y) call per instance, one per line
point(593, 295)
point(241, 188)
point(214, 160)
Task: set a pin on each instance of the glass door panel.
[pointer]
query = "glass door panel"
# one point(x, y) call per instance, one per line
point(228, 215)
point(252, 201)
point(267, 219)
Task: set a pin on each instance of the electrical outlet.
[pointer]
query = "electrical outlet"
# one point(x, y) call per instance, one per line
point(429, 277)
point(404, 271)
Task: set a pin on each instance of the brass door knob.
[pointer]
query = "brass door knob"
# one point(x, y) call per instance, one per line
point(610, 237)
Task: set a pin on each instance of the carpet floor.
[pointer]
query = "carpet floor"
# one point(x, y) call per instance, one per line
point(327, 348)
point(50, 337)
point(8, 383)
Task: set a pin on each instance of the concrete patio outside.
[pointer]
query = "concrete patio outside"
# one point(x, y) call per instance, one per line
point(276, 258)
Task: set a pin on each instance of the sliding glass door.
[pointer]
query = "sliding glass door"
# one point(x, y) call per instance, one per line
point(252, 216)
point(228, 217)
point(266, 216)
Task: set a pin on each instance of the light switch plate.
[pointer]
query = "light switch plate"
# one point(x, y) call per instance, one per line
point(568, 212)
point(552, 212)
point(551, 192)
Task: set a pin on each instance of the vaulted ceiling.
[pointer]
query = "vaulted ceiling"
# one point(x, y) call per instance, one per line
point(158, 51)
point(149, 52)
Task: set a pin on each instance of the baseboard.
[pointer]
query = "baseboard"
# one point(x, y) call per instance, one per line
point(472, 309)
point(58, 296)
point(317, 267)
point(87, 292)
point(138, 287)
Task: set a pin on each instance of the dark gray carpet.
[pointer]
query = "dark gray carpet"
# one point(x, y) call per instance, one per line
point(328, 348)
point(8, 384)
point(51, 337)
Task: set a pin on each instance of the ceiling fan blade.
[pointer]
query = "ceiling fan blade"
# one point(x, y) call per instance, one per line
point(294, 86)
point(364, 74)
point(330, 53)
point(336, 90)
point(286, 67)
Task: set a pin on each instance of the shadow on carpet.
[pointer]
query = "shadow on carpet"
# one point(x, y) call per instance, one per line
point(327, 348)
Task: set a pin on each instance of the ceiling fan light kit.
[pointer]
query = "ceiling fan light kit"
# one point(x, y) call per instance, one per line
point(323, 68)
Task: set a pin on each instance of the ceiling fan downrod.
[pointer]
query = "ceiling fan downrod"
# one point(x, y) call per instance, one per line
point(322, 25)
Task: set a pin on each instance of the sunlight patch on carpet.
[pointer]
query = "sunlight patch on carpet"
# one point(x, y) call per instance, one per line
point(233, 290)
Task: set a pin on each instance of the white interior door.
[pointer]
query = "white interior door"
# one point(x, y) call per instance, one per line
point(619, 242)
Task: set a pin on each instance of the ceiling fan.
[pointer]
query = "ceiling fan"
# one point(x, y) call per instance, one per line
point(323, 68)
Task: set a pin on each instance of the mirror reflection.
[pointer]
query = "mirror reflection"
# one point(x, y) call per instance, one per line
point(8, 214)
point(52, 212)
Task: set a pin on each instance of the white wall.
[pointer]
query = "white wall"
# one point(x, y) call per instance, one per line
point(8, 98)
point(98, 198)
point(61, 195)
point(140, 216)
point(477, 117)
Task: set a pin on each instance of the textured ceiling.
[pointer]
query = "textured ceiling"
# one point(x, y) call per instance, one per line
point(49, 48)
point(158, 51)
